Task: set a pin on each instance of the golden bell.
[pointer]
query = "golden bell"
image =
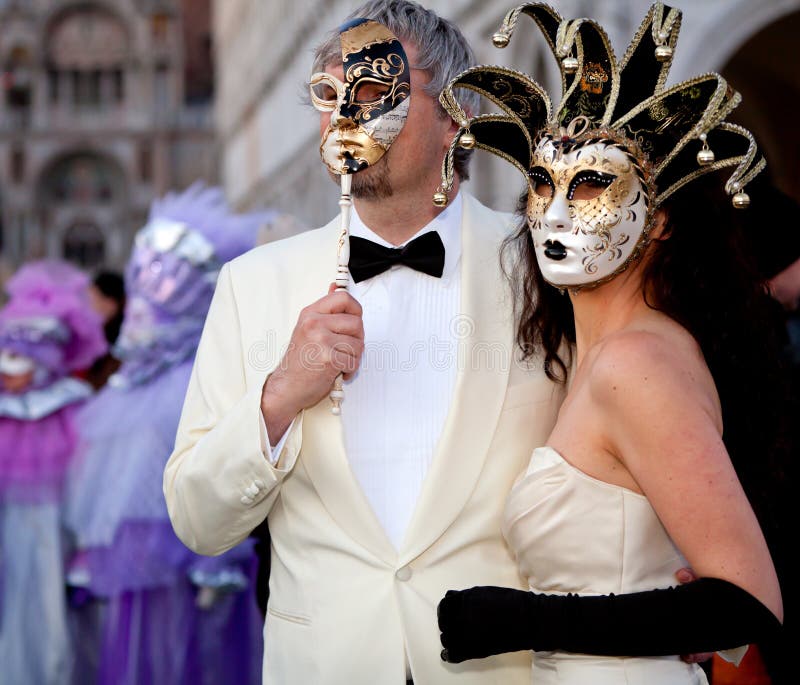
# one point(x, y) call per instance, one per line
point(705, 157)
point(440, 199)
point(741, 200)
point(500, 39)
point(663, 53)
point(467, 141)
point(570, 65)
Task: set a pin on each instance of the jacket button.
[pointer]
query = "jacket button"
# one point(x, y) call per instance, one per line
point(403, 573)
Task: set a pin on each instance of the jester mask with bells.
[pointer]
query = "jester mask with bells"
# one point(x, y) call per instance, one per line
point(370, 107)
point(615, 147)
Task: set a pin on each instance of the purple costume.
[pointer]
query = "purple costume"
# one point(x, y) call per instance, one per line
point(47, 330)
point(167, 615)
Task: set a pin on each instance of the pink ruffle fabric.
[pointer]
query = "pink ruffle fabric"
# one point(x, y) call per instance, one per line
point(50, 288)
point(35, 456)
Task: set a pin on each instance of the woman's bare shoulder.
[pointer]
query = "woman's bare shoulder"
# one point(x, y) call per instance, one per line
point(652, 367)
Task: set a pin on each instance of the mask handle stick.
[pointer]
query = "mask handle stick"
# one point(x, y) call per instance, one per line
point(342, 274)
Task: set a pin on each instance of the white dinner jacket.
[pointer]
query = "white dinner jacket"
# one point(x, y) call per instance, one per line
point(345, 605)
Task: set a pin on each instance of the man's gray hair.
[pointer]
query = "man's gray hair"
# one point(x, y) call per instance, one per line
point(442, 51)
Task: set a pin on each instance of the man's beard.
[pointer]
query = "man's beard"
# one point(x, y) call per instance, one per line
point(372, 183)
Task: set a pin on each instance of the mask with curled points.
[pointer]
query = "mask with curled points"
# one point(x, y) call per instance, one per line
point(369, 108)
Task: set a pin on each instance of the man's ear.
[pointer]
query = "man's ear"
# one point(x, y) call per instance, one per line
point(452, 129)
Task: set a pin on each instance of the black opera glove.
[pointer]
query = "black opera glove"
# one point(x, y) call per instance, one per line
point(706, 615)
point(484, 621)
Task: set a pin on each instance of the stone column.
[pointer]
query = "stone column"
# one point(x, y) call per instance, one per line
point(40, 105)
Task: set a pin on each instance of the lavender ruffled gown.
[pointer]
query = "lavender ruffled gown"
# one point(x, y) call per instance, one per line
point(165, 615)
point(157, 613)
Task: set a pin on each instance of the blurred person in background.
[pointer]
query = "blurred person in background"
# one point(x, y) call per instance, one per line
point(146, 609)
point(107, 294)
point(48, 330)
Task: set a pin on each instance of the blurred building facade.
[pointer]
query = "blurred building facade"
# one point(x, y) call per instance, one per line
point(269, 137)
point(104, 104)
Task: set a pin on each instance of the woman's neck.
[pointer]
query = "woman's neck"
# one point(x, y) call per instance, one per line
point(608, 308)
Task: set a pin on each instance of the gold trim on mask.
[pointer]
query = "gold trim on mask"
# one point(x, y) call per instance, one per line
point(387, 72)
point(597, 216)
point(349, 143)
point(363, 35)
point(324, 78)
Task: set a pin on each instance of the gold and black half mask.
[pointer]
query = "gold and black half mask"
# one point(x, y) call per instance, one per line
point(369, 108)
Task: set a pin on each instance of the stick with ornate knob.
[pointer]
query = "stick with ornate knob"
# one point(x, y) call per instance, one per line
point(360, 129)
point(342, 273)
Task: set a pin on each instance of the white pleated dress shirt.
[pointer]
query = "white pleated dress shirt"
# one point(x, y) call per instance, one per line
point(395, 406)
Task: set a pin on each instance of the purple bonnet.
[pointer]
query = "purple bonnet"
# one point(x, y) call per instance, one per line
point(49, 317)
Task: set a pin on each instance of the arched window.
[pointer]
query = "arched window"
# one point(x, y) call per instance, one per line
point(87, 48)
point(80, 199)
point(84, 244)
point(83, 179)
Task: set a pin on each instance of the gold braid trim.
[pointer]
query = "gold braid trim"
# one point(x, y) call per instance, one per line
point(451, 105)
point(510, 23)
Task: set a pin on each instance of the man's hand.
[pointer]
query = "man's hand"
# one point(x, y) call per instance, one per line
point(687, 575)
point(327, 340)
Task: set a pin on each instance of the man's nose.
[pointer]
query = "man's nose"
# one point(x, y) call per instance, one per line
point(557, 217)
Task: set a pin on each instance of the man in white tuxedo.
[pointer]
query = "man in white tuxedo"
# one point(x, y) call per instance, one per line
point(376, 513)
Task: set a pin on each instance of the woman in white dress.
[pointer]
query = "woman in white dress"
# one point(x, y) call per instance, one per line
point(635, 482)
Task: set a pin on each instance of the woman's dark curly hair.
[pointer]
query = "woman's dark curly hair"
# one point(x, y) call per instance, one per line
point(702, 275)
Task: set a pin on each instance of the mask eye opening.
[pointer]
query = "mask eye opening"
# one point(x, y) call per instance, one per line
point(541, 182)
point(370, 92)
point(589, 184)
point(324, 89)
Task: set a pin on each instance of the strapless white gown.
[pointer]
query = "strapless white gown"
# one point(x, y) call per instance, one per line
point(574, 533)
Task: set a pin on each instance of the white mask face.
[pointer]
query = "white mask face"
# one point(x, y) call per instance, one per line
point(12, 364)
point(587, 211)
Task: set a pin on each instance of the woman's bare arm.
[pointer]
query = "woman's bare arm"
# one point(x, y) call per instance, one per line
point(660, 413)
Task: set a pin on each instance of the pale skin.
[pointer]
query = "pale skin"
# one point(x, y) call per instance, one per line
point(785, 287)
point(643, 413)
point(333, 324)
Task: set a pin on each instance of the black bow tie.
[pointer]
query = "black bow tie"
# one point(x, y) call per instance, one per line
point(368, 259)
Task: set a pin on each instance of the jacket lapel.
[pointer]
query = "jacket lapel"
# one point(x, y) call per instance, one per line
point(325, 460)
point(484, 361)
point(323, 452)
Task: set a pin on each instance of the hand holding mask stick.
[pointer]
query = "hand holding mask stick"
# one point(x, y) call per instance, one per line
point(367, 112)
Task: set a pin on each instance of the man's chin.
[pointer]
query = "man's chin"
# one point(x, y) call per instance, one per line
point(370, 184)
